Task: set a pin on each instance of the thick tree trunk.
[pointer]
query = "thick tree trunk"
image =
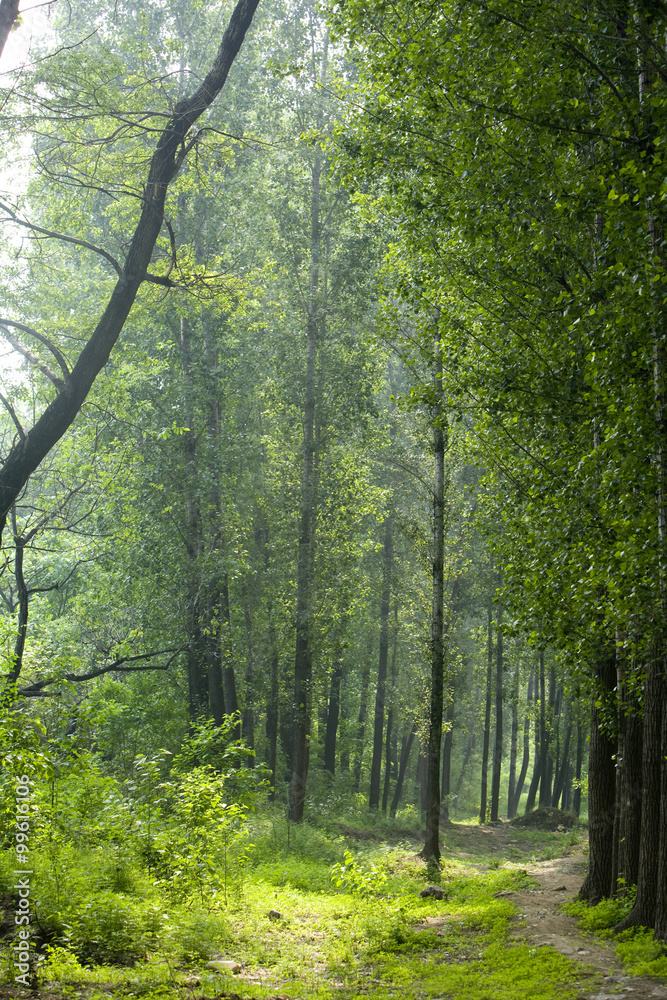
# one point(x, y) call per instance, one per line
point(380, 692)
point(601, 788)
point(643, 912)
point(172, 146)
point(9, 11)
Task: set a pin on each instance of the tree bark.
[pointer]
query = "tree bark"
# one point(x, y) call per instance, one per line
point(9, 11)
point(378, 728)
point(526, 748)
point(361, 719)
point(389, 738)
point(431, 849)
point(402, 768)
point(601, 789)
point(172, 147)
point(333, 715)
point(498, 742)
point(487, 715)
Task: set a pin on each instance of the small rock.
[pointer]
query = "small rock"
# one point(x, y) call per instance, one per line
point(224, 965)
point(275, 915)
point(433, 890)
point(560, 888)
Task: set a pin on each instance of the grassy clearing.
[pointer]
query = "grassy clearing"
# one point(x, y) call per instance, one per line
point(351, 923)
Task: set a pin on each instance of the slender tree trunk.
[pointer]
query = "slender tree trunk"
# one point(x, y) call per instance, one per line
point(564, 763)
point(487, 714)
point(333, 715)
point(498, 743)
point(385, 597)
point(514, 742)
point(272, 707)
point(576, 804)
point(537, 764)
point(513, 806)
point(249, 709)
point(303, 652)
point(431, 849)
point(545, 777)
point(361, 719)
point(402, 768)
point(446, 771)
point(390, 716)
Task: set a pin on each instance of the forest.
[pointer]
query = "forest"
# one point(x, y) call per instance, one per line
point(333, 496)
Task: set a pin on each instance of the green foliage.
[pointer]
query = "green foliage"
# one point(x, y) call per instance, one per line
point(358, 876)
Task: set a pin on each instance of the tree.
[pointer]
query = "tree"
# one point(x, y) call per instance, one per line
point(174, 143)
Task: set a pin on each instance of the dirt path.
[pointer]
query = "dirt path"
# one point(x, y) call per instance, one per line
point(542, 923)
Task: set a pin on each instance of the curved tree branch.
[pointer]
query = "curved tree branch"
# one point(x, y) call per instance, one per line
point(26, 455)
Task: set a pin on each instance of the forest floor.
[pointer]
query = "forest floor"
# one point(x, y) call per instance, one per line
point(499, 934)
point(542, 923)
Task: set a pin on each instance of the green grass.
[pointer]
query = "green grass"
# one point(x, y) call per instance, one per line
point(636, 948)
point(352, 923)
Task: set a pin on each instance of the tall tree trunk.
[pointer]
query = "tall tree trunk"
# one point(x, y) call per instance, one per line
point(333, 715)
point(564, 763)
point(361, 719)
point(643, 912)
point(445, 784)
point(402, 768)
point(498, 743)
point(389, 738)
point(198, 698)
point(576, 804)
point(545, 778)
point(378, 728)
point(513, 804)
point(431, 849)
point(601, 788)
point(487, 714)
point(249, 709)
point(303, 653)
point(514, 742)
point(537, 764)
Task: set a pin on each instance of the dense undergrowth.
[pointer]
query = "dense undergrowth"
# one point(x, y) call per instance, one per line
point(138, 885)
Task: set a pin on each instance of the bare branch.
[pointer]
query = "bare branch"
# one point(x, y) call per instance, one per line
point(42, 339)
point(33, 359)
point(10, 409)
point(62, 237)
point(124, 665)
